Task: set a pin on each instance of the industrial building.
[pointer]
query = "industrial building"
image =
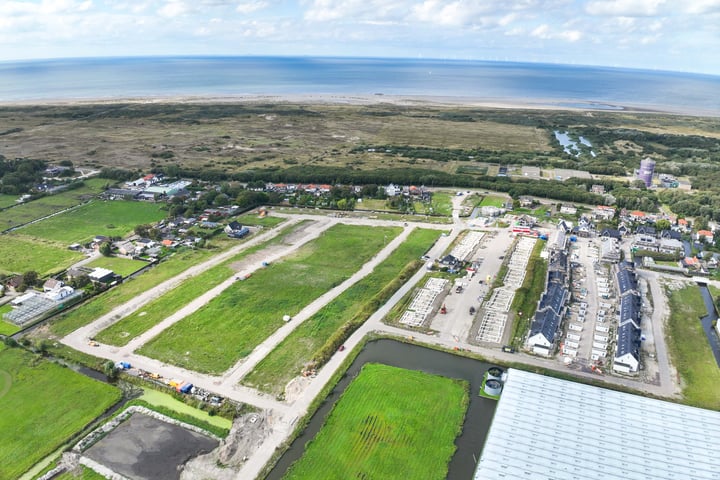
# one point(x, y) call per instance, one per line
point(548, 428)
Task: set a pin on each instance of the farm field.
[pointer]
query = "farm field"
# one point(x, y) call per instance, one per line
point(106, 301)
point(42, 422)
point(228, 328)
point(357, 303)
point(120, 265)
point(689, 349)
point(21, 254)
point(114, 218)
point(361, 438)
point(44, 206)
point(152, 313)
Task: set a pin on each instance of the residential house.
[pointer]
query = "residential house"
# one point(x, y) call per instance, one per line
point(236, 230)
point(683, 225)
point(602, 212)
point(609, 250)
point(704, 235)
point(611, 233)
point(551, 308)
point(598, 189)
point(526, 201)
point(670, 246)
point(392, 190)
point(645, 242)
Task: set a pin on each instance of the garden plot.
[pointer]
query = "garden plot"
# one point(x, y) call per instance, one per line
point(464, 249)
point(425, 301)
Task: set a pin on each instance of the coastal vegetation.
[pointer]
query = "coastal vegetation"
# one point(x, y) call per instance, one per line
point(361, 438)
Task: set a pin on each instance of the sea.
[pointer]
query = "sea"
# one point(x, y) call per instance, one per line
point(601, 88)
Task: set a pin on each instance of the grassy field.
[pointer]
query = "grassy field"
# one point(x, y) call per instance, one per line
point(7, 328)
point(157, 310)
point(120, 265)
point(44, 206)
point(105, 302)
point(44, 406)
point(114, 218)
point(442, 203)
point(81, 473)
point(287, 359)
point(527, 296)
point(228, 328)
point(21, 254)
point(404, 432)
point(160, 399)
point(7, 200)
point(690, 351)
point(493, 201)
point(255, 220)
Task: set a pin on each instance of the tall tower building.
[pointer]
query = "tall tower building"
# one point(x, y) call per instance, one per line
point(647, 168)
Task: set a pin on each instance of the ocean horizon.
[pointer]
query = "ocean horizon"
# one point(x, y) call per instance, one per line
point(590, 87)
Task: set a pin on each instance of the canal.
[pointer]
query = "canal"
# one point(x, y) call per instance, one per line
point(708, 322)
point(412, 357)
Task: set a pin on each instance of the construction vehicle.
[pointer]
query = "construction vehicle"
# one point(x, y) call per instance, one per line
point(596, 369)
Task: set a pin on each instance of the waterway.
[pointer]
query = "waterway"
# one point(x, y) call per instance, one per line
point(413, 357)
point(708, 321)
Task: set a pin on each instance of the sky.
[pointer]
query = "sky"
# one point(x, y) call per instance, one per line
point(680, 35)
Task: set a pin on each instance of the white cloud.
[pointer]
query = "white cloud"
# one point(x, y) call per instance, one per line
point(173, 8)
point(625, 8)
point(700, 6)
point(544, 32)
point(250, 7)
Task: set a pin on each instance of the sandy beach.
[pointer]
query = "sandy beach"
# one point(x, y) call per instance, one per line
point(371, 99)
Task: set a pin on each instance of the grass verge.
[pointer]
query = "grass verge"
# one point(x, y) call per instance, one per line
point(44, 406)
point(527, 296)
point(690, 351)
point(361, 438)
point(229, 327)
point(357, 303)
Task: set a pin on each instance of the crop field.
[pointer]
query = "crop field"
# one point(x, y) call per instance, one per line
point(287, 359)
point(690, 351)
point(152, 313)
point(114, 218)
point(43, 405)
point(100, 305)
point(403, 432)
point(120, 265)
point(229, 327)
point(21, 254)
point(44, 206)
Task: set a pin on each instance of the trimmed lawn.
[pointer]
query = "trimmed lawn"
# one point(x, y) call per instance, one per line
point(157, 310)
point(390, 423)
point(492, 201)
point(44, 206)
point(120, 265)
point(20, 254)
point(98, 306)
point(690, 350)
point(114, 218)
point(45, 406)
point(288, 358)
point(228, 328)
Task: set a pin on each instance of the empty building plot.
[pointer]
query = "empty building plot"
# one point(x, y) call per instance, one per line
point(424, 302)
point(465, 247)
point(492, 325)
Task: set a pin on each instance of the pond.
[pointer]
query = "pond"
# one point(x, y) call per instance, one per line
point(413, 357)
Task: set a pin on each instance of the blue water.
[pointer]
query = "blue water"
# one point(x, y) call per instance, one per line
point(560, 85)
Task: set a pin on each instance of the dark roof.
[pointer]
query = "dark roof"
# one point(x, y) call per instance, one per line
point(449, 260)
point(626, 278)
point(545, 322)
point(553, 297)
point(630, 310)
point(235, 225)
point(611, 232)
point(645, 229)
point(628, 341)
point(671, 234)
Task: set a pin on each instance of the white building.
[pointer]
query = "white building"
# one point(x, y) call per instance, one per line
point(547, 428)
